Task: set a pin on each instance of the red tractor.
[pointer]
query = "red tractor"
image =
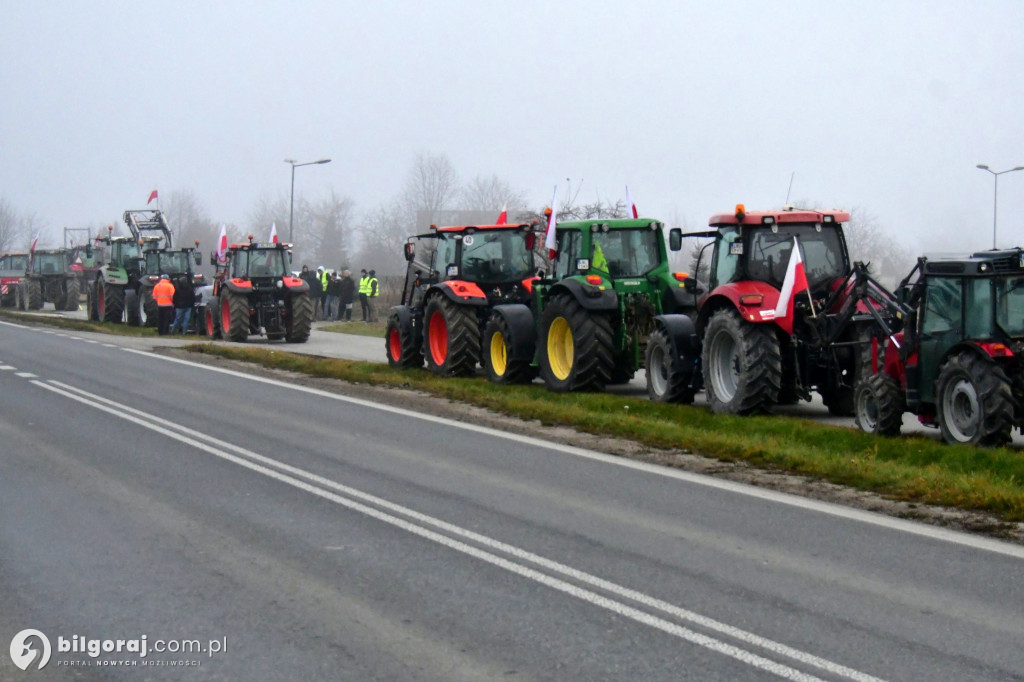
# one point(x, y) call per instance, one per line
point(12, 269)
point(455, 277)
point(757, 353)
point(255, 293)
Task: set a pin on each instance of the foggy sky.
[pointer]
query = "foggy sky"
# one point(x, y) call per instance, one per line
point(885, 106)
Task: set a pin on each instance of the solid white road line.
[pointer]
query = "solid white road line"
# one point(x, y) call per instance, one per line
point(188, 436)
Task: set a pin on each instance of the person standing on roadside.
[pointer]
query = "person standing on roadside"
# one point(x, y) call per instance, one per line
point(311, 279)
point(321, 274)
point(374, 293)
point(333, 297)
point(364, 293)
point(347, 288)
point(163, 294)
point(184, 302)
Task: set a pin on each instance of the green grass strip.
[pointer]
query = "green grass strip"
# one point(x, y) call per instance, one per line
point(908, 468)
point(55, 320)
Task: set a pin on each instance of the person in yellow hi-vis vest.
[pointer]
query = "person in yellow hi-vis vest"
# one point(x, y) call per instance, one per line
point(600, 262)
point(373, 293)
point(364, 294)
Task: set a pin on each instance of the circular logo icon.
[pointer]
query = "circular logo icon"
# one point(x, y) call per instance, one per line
point(23, 653)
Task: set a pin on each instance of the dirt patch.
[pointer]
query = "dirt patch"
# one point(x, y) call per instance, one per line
point(679, 458)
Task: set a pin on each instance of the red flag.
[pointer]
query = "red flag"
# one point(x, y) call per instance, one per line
point(152, 195)
point(503, 216)
point(794, 283)
point(273, 233)
point(550, 241)
point(630, 204)
point(34, 242)
point(222, 245)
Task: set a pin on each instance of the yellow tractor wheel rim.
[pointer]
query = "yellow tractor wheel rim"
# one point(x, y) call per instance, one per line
point(499, 354)
point(560, 350)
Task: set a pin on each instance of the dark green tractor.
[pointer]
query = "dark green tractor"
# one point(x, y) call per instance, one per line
point(958, 364)
point(48, 278)
point(612, 297)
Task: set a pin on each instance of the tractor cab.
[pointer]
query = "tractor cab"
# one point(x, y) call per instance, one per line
point(260, 262)
point(52, 262)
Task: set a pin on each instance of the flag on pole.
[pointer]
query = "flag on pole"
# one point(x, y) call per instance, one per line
point(152, 195)
point(550, 241)
point(630, 205)
point(35, 240)
point(222, 245)
point(793, 284)
point(273, 233)
point(503, 216)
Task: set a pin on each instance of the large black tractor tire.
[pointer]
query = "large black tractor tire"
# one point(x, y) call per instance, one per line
point(742, 364)
point(975, 401)
point(840, 401)
point(150, 310)
point(576, 347)
point(400, 344)
point(34, 294)
point(20, 296)
point(234, 316)
point(110, 302)
point(879, 405)
point(452, 338)
point(300, 318)
point(132, 309)
point(500, 368)
point(666, 382)
point(71, 295)
point(622, 370)
point(53, 291)
point(211, 318)
point(91, 304)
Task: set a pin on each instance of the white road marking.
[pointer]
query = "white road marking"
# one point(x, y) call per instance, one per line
point(219, 449)
point(25, 375)
point(7, 368)
point(871, 518)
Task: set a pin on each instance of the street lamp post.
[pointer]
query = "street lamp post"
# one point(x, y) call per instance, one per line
point(291, 210)
point(995, 194)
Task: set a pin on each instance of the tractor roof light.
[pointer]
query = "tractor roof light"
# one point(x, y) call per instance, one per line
point(250, 238)
point(828, 219)
point(768, 220)
point(741, 212)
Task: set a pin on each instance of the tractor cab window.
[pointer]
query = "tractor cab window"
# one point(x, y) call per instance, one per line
point(626, 253)
point(445, 255)
point(726, 259)
point(265, 263)
point(821, 250)
point(49, 263)
point(568, 252)
point(1009, 299)
point(943, 310)
point(496, 256)
point(16, 263)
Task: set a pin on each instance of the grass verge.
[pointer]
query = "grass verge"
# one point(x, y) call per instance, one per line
point(909, 468)
point(79, 325)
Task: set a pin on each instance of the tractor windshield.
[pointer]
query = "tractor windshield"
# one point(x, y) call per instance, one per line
point(496, 256)
point(173, 263)
point(627, 253)
point(259, 263)
point(15, 263)
point(49, 263)
point(1009, 295)
point(821, 249)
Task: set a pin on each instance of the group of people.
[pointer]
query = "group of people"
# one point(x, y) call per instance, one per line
point(334, 295)
point(174, 304)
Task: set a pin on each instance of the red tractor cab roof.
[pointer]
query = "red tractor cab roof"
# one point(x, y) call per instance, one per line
point(784, 215)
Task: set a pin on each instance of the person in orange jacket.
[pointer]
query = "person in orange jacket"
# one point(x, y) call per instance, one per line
point(163, 294)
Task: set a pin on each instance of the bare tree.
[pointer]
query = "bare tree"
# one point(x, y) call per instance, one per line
point(332, 218)
point(868, 241)
point(13, 228)
point(490, 194)
point(188, 219)
point(430, 187)
point(384, 230)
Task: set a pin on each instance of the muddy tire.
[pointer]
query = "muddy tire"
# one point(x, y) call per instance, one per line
point(110, 302)
point(132, 311)
point(500, 368)
point(211, 318)
point(576, 347)
point(71, 295)
point(400, 345)
point(879, 405)
point(234, 316)
point(34, 294)
point(975, 402)
point(666, 382)
point(150, 316)
point(91, 308)
point(452, 338)
point(742, 365)
point(20, 296)
point(300, 318)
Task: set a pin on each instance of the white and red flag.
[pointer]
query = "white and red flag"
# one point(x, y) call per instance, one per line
point(152, 195)
point(503, 216)
point(793, 284)
point(222, 245)
point(550, 241)
point(273, 233)
point(35, 240)
point(630, 205)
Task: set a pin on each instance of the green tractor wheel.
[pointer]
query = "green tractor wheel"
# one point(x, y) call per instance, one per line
point(501, 369)
point(110, 302)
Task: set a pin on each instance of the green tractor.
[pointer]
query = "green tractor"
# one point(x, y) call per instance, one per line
point(140, 306)
point(612, 296)
point(958, 364)
point(48, 278)
point(119, 277)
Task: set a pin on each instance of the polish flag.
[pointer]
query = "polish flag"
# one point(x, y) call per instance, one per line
point(550, 242)
point(273, 233)
point(222, 245)
point(793, 284)
point(630, 204)
point(152, 195)
point(503, 216)
point(35, 241)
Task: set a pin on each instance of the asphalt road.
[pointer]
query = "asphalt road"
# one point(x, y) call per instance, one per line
point(311, 535)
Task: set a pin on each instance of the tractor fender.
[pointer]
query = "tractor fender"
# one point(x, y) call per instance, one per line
point(682, 333)
point(295, 285)
point(409, 319)
point(114, 275)
point(587, 295)
point(460, 291)
point(754, 301)
point(522, 330)
point(679, 300)
point(238, 286)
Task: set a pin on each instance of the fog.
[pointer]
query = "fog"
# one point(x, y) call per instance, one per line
point(696, 106)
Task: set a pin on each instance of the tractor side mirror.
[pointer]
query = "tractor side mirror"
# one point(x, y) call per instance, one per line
point(197, 257)
point(410, 251)
point(675, 239)
point(213, 258)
